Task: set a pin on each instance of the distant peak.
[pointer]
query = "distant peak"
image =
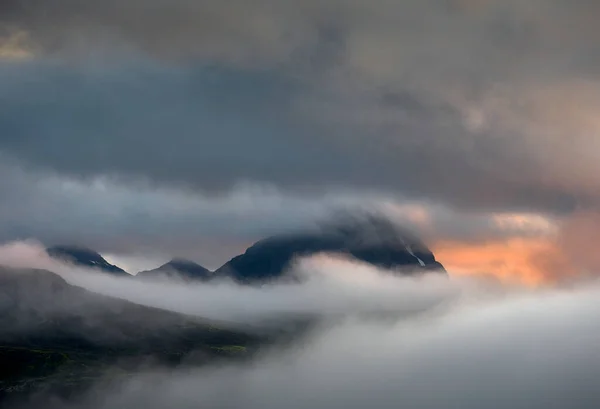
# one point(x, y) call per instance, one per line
point(369, 238)
point(182, 262)
point(84, 257)
point(181, 268)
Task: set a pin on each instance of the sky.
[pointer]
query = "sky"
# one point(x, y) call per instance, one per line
point(151, 129)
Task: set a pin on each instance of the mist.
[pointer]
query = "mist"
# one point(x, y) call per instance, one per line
point(538, 351)
point(331, 287)
point(473, 343)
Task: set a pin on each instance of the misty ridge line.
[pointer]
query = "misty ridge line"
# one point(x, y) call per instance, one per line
point(367, 236)
point(371, 325)
point(332, 286)
point(474, 344)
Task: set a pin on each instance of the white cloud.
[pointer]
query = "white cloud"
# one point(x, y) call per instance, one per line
point(530, 352)
point(334, 287)
point(491, 347)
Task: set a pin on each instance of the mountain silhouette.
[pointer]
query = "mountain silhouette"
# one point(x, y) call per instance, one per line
point(84, 257)
point(178, 268)
point(370, 239)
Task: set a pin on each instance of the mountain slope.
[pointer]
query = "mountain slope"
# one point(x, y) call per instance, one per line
point(178, 268)
point(372, 240)
point(52, 332)
point(84, 257)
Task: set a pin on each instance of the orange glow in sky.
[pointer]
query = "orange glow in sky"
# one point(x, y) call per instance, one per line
point(526, 261)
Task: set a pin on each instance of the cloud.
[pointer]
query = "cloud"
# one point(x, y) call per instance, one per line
point(12, 46)
point(564, 253)
point(132, 125)
point(468, 358)
point(534, 261)
point(111, 216)
point(474, 110)
point(142, 221)
point(334, 287)
point(506, 31)
point(466, 353)
point(211, 129)
point(519, 352)
point(473, 106)
point(578, 239)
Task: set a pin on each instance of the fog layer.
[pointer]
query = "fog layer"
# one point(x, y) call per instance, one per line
point(476, 346)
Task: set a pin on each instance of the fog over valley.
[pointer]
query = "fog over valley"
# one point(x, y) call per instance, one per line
point(299, 204)
point(376, 339)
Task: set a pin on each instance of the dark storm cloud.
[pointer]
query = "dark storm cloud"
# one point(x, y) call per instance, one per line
point(471, 40)
point(208, 127)
point(211, 128)
point(115, 217)
point(124, 218)
point(477, 105)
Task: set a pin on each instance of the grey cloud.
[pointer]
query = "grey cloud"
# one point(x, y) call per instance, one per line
point(124, 218)
point(285, 31)
point(488, 347)
point(504, 355)
point(476, 227)
point(144, 220)
point(211, 128)
point(508, 355)
point(334, 287)
point(461, 102)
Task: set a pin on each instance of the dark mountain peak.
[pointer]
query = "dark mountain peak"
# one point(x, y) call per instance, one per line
point(369, 238)
point(178, 268)
point(182, 263)
point(84, 257)
point(367, 229)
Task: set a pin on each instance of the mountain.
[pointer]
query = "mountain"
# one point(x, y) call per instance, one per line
point(178, 268)
point(59, 335)
point(81, 256)
point(370, 239)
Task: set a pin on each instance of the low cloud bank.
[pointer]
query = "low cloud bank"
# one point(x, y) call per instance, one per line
point(332, 287)
point(482, 346)
point(539, 351)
